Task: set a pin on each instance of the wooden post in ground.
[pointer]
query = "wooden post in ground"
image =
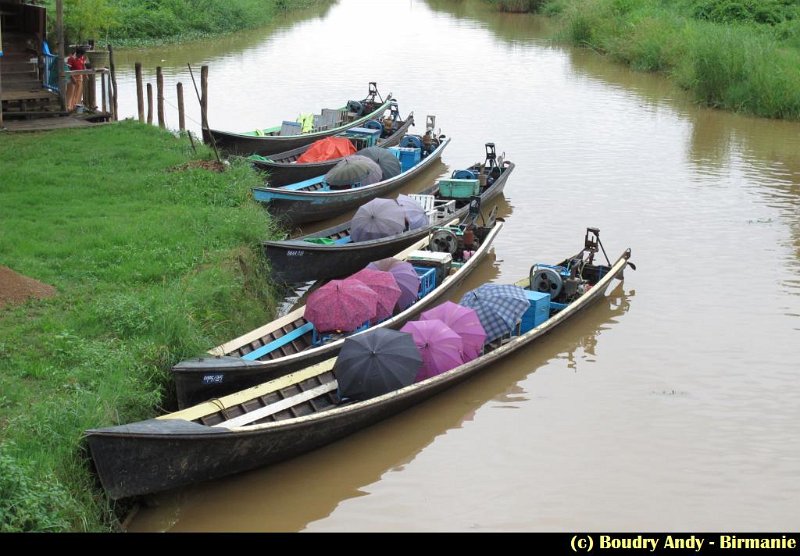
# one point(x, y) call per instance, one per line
point(181, 113)
point(160, 97)
point(112, 67)
point(139, 91)
point(62, 82)
point(103, 90)
point(204, 96)
point(149, 104)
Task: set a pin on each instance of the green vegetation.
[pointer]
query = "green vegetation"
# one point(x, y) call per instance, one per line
point(143, 22)
point(739, 55)
point(155, 259)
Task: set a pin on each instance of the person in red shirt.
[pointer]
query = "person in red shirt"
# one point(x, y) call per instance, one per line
point(76, 62)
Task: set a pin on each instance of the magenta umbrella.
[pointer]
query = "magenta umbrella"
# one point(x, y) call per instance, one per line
point(406, 277)
point(463, 321)
point(341, 306)
point(440, 347)
point(382, 283)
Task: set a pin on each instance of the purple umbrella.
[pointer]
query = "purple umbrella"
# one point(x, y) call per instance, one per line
point(415, 214)
point(341, 305)
point(354, 170)
point(439, 346)
point(463, 321)
point(376, 219)
point(406, 277)
point(382, 283)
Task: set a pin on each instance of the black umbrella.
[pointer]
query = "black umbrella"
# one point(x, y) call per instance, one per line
point(376, 362)
point(389, 163)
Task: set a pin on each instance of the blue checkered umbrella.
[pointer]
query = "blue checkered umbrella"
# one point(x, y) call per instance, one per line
point(499, 307)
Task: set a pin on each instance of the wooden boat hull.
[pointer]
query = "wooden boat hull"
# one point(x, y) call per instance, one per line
point(204, 378)
point(301, 261)
point(301, 207)
point(174, 451)
point(282, 172)
point(241, 144)
point(296, 260)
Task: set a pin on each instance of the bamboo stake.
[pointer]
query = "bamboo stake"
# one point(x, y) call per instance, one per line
point(181, 114)
point(139, 91)
point(160, 97)
point(149, 104)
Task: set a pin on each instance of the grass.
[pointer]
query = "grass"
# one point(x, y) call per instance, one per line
point(134, 23)
point(740, 55)
point(153, 261)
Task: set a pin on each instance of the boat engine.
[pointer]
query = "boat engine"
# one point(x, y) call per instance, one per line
point(562, 283)
point(444, 240)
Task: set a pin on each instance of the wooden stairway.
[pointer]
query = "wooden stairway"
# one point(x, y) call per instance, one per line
point(22, 90)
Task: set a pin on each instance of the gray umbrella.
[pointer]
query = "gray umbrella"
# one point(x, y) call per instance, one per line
point(376, 219)
point(376, 362)
point(389, 163)
point(354, 170)
point(415, 214)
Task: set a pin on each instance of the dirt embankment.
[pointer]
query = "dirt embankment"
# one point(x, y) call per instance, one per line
point(16, 288)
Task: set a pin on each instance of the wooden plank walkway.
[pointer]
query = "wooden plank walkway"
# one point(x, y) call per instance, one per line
point(46, 124)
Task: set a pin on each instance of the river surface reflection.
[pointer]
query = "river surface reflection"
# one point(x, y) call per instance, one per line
point(672, 405)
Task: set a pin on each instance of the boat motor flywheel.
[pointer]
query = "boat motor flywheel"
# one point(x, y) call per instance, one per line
point(444, 241)
point(547, 280)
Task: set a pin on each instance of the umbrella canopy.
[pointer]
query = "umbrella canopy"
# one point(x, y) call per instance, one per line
point(341, 305)
point(499, 306)
point(415, 214)
point(463, 321)
point(376, 219)
point(389, 163)
point(376, 362)
point(382, 283)
point(352, 170)
point(405, 276)
point(327, 149)
point(440, 347)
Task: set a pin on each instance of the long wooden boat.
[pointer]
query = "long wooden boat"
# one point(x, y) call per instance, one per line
point(312, 200)
point(284, 169)
point(279, 139)
point(301, 411)
point(290, 342)
point(304, 258)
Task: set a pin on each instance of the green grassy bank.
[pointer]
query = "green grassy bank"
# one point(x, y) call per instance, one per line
point(740, 55)
point(130, 23)
point(154, 260)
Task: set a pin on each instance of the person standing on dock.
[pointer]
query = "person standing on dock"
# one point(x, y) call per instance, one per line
point(76, 62)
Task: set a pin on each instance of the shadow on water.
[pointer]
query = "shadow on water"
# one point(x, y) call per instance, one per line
point(289, 496)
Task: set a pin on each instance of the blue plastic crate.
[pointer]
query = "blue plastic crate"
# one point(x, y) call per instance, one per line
point(408, 156)
point(537, 313)
point(427, 279)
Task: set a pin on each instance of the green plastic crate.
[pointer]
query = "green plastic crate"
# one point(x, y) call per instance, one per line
point(458, 189)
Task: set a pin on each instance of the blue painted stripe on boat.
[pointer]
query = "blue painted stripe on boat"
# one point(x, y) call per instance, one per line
point(275, 344)
point(303, 184)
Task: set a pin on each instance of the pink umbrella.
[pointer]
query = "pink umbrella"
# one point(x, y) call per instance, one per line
point(440, 347)
point(382, 283)
point(463, 321)
point(341, 305)
point(406, 277)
